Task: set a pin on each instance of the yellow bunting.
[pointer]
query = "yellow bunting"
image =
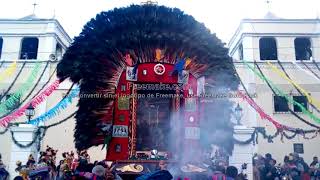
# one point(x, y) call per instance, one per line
point(8, 71)
point(284, 76)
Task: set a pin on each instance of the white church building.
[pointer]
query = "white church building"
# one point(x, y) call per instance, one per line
point(293, 47)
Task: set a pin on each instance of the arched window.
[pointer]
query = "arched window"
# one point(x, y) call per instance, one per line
point(29, 48)
point(302, 48)
point(241, 52)
point(268, 48)
point(1, 42)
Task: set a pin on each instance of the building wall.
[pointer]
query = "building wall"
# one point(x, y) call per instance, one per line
point(59, 137)
point(12, 47)
point(286, 54)
point(264, 98)
point(49, 33)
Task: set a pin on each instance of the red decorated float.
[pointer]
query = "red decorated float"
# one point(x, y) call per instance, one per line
point(147, 105)
point(149, 64)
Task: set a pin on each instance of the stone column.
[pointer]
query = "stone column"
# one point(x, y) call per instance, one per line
point(243, 153)
point(23, 134)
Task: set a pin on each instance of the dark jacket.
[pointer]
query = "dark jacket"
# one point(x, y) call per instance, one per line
point(158, 175)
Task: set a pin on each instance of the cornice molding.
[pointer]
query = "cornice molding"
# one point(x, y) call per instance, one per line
point(286, 65)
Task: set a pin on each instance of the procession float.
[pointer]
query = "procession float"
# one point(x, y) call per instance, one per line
point(144, 73)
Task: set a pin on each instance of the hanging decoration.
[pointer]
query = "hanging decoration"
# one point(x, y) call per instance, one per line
point(13, 82)
point(34, 102)
point(287, 75)
point(8, 71)
point(44, 85)
point(57, 108)
point(283, 75)
point(10, 103)
point(313, 74)
point(31, 91)
point(262, 114)
point(39, 134)
point(261, 130)
point(56, 83)
point(316, 64)
point(2, 62)
point(290, 110)
point(254, 137)
point(281, 93)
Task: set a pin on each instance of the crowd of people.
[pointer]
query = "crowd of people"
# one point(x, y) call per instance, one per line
point(293, 167)
point(77, 165)
point(74, 166)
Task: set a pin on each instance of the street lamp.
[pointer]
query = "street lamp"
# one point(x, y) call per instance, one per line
point(238, 114)
point(30, 112)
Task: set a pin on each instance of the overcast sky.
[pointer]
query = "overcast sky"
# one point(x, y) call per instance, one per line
point(221, 17)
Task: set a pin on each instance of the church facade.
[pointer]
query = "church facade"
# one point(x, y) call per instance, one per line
point(287, 53)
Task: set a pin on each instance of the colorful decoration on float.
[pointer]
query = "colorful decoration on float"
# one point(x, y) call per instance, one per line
point(34, 102)
point(136, 168)
point(183, 78)
point(188, 61)
point(131, 75)
point(283, 75)
point(135, 67)
point(57, 108)
point(120, 131)
point(159, 69)
point(128, 60)
point(132, 72)
point(179, 66)
point(10, 103)
point(159, 55)
point(8, 71)
point(281, 93)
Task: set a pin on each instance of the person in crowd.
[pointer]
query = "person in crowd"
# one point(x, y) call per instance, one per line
point(260, 165)
point(271, 170)
point(315, 169)
point(99, 172)
point(218, 173)
point(231, 173)
point(255, 168)
point(77, 166)
point(268, 158)
point(3, 172)
point(162, 165)
point(314, 162)
point(18, 178)
point(58, 169)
